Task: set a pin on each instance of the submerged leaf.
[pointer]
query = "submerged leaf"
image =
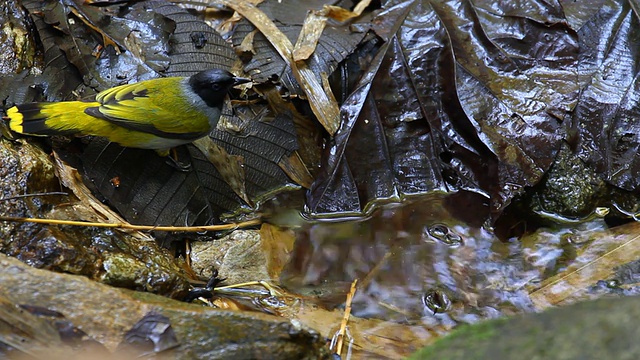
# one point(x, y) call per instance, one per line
point(277, 244)
point(600, 260)
point(27, 334)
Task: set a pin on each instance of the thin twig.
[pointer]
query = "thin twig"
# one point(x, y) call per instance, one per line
point(135, 227)
point(34, 194)
point(345, 318)
point(272, 290)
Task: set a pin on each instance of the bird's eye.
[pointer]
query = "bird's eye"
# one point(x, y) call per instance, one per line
point(215, 87)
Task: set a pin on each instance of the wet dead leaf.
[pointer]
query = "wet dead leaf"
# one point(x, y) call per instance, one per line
point(150, 335)
point(447, 83)
point(107, 40)
point(308, 134)
point(597, 261)
point(294, 167)
point(229, 166)
point(324, 109)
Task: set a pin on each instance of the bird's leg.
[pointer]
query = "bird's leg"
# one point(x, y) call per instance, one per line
point(172, 160)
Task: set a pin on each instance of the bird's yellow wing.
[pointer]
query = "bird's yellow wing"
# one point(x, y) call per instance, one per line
point(157, 106)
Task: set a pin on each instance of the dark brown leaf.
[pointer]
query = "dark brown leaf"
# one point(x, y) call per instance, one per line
point(605, 119)
point(462, 97)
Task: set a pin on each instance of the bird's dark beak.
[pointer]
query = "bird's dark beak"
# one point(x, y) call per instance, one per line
point(239, 80)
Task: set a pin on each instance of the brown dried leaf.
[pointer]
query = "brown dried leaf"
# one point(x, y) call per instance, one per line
point(325, 110)
point(247, 44)
point(309, 35)
point(340, 14)
point(296, 170)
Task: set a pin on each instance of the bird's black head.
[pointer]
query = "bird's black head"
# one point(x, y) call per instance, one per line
point(212, 85)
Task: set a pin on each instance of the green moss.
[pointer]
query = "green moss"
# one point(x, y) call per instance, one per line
point(461, 342)
point(602, 329)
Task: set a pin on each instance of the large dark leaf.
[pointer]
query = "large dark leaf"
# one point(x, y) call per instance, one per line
point(605, 119)
point(463, 97)
point(194, 45)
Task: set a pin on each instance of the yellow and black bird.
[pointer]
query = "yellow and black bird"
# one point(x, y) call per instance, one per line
point(156, 114)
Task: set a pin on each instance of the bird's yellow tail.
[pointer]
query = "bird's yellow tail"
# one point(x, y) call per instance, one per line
point(62, 118)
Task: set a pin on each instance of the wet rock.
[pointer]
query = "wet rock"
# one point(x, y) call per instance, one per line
point(113, 257)
point(106, 314)
point(17, 43)
point(238, 257)
point(601, 329)
point(42, 333)
point(570, 188)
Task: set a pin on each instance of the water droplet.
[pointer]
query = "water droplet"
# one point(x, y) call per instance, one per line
point(601, 211)
point(613, 284)
point(436, 301)
point(438, 231)
point(453, 239)
point(573, 239)
point(270, 302)
point(443, 234)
